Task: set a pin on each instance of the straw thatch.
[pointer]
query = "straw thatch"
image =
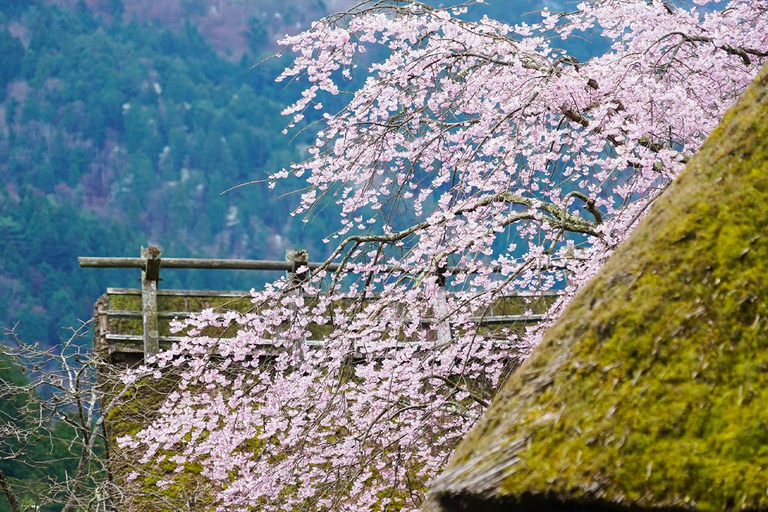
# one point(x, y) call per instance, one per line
point(650, 391)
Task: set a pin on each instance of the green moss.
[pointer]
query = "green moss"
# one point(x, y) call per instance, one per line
point(536, 304)
point(143, 494)
point(651, 389)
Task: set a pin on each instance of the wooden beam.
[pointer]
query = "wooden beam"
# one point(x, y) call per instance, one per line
point(88, 262)
point(229, 264)
point(223, 264)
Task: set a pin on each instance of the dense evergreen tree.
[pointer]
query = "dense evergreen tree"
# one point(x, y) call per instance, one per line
point(119, 132)
point(11, 57)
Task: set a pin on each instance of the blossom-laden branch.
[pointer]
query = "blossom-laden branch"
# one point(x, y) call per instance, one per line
point(473, 156)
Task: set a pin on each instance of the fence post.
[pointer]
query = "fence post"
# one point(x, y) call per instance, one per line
point(150, 275)
point(297, 257)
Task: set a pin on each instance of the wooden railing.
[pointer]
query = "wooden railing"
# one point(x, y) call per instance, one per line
point(150, 263)
point(133, 322)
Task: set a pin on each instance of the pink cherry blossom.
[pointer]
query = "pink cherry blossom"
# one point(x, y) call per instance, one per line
point(478, 154)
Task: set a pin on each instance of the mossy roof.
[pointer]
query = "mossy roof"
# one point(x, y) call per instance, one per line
point(651, 391)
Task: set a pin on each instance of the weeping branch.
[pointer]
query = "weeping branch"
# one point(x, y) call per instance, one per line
point(556, 217)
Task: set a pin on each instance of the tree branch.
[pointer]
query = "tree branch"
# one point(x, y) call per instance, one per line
point(5, 486)
point(739, 51)
point(456, 387)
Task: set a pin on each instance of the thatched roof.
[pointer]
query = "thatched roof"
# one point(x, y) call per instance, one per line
point(652, 390)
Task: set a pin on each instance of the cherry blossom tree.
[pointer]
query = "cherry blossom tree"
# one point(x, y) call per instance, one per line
point(478, 159)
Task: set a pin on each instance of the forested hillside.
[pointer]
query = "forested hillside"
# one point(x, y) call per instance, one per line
point(116, 130)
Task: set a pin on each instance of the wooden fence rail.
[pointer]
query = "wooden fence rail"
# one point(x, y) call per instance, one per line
point(221, 264)
point(118, 311)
